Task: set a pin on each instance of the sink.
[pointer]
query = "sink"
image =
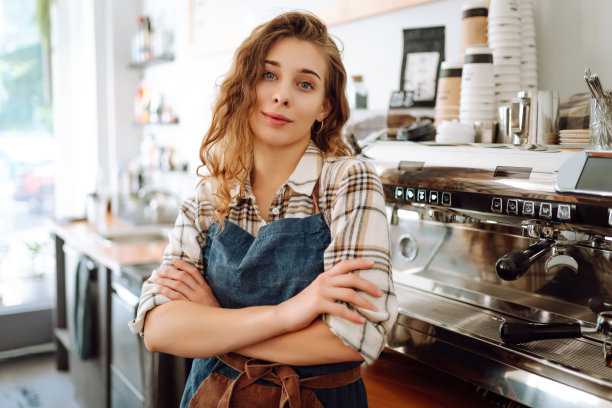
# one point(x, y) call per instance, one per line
point(136, 234)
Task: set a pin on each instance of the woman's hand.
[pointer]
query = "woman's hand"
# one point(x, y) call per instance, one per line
point(323, 294)
point(185, 282)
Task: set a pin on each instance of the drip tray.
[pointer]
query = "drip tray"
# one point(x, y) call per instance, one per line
point(438, 330)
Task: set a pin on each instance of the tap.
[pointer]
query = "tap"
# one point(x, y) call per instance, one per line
point(160, 205)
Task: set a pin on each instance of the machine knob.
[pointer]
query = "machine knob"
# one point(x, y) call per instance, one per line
point(514, 265)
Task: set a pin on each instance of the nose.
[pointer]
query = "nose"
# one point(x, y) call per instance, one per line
point(281, 95)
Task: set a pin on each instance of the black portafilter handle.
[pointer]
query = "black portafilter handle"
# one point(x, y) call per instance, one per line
point(523, 332)
point(599, 304)
point(514, 265)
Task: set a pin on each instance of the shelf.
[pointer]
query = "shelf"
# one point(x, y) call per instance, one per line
point(63, 335)
point(155, 61)
point(157, 123)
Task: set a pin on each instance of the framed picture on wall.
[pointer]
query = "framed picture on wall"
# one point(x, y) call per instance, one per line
point(422, 56)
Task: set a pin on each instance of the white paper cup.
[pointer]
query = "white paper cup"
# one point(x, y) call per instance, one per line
point(507, 60)
point(477, 90)
point(505, 34)
point(477, 74)
point(484, 99)
point(502, 8)
point(454, 132)
point(515, 19)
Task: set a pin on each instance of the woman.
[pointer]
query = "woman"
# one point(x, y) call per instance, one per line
point(279, 266)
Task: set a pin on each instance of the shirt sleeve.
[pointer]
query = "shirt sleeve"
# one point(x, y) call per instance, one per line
point(185, 241)
point(359, 229)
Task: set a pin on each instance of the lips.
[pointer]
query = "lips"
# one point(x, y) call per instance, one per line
point(276, 119)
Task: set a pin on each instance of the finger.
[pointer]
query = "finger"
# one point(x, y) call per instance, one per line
point(344, 312)
point(349, 265)
point(180, 276)
point(175, 285)
point(352, 280)
point(189, 268)
point(350, 296)
point(171, 294)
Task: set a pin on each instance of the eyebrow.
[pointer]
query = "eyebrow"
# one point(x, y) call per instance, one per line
point(303, 70)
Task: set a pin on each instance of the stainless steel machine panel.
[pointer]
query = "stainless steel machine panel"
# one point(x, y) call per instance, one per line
point(490, 237)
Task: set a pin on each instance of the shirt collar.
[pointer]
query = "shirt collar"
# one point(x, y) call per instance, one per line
point(308, 170)
point(303, 178)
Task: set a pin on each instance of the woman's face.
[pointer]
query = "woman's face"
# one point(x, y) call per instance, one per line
point(290, 94)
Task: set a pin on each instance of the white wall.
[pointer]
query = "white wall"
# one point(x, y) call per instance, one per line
point(571, 35)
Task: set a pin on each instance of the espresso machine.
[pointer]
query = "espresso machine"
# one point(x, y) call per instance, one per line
point(502, 263)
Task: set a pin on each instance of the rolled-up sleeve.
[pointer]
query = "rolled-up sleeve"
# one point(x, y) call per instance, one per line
point(359, 229)
point(185, 241)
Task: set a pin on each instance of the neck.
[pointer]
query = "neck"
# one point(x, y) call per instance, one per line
point(272, 165)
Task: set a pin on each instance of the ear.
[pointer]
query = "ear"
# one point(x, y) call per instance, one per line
point(325, 109)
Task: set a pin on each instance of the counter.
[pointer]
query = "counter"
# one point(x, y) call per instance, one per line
point(394, 380)
point(84, 238)
point(92, 376)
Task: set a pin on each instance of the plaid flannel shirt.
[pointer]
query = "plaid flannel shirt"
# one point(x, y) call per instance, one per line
point(352, 202)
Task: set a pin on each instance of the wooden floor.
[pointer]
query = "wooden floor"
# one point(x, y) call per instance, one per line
point(396, 381)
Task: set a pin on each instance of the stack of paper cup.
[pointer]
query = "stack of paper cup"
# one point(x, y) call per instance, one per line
point(449, 88)
point(474, 24)
point(504, 25)
point(477, 103)
point(529, 68)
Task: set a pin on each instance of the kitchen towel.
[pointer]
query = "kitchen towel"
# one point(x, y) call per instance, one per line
point(85, 309)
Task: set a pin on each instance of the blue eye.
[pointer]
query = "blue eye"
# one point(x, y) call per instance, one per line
point(269, 75)
point(305, 85)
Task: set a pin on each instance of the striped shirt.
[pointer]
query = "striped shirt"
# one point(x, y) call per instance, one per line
point(352, 203)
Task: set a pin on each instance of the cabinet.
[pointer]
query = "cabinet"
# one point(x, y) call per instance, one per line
point(90, 376)
point(119, 363)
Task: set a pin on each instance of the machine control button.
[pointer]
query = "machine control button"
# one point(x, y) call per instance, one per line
point(399, 192)
point(529, 208)
point(546, 210)
point(410, 194)
point(512, 207)
point(421, 195)
point(433, 197)
point(563, 212)
point(446, 199)
point(496, 205)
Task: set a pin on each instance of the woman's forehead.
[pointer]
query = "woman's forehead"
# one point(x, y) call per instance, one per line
point(299, 55)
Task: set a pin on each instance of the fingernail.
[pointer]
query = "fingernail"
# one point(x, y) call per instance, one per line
point(379, 292)
point(362, 319)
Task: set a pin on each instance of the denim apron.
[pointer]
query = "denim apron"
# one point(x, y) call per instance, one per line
point(243, 270)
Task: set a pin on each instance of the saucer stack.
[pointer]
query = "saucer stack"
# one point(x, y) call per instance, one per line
point(504, 36)
point(477, 101)
point(575, 137)
point(529, 68)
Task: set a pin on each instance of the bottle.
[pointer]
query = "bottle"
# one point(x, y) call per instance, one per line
point(361, 92)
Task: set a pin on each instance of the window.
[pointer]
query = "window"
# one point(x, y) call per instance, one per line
point(27, 151)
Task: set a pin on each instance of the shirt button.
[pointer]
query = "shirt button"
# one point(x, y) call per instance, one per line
point(275, 211)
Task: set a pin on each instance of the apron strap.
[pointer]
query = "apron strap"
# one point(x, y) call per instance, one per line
point(315, 198)
point(283, 375)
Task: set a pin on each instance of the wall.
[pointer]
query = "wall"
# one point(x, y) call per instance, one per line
point(571, 36)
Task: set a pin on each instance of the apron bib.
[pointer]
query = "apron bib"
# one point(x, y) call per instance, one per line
point(243, 270)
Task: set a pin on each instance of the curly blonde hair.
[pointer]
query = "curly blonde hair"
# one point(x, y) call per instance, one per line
point(226, 149)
